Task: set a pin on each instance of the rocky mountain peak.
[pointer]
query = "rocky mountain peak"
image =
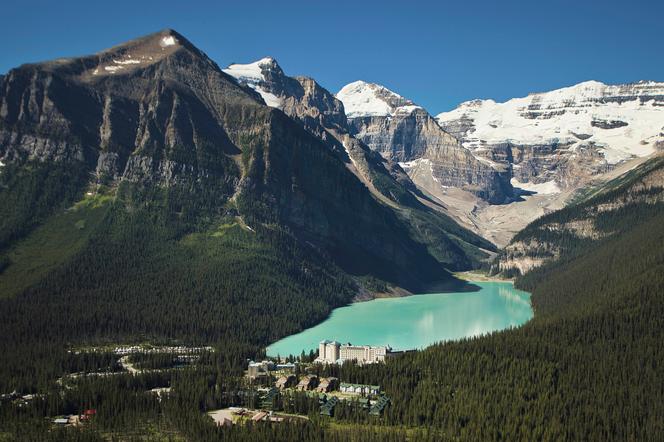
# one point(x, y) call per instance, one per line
point(404, 132)
point(256, 72)
point(362, 99)
point(265, 76)
point(127, 58)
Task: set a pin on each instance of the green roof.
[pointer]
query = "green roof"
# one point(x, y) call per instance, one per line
point(379, 406)
point(373, 387)
point(327, 407)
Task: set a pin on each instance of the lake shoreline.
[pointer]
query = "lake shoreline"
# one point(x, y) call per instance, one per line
point(415, 322)
point(475, 276)
point(449, 286)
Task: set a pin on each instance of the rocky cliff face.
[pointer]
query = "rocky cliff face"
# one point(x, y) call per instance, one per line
point(157, 120)
point(404, 132)
point(564, 136)
point(151, 109)
point(318, 110)
point(324, 116)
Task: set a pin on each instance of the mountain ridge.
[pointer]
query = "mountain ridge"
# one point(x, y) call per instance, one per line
point(303, 99)
point(176, 134)
point(402, 131)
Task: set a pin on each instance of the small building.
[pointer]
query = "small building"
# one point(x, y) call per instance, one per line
point(307, 383)
point(378, 407)
point(161, 392)
point(287, 367)
point(328, 384)
point(327, 409)
point(285, 381)
point(267, 400)
point(61, 421)
point(360, 389)
point(88, 414)
point(259, 416)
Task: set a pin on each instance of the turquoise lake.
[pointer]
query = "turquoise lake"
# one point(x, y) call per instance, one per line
point(416, 321)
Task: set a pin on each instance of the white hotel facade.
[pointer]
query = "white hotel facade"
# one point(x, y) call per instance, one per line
point(332, 352)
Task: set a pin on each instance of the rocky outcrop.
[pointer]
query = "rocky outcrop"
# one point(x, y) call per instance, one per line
point(323, 115)
point(404, 132)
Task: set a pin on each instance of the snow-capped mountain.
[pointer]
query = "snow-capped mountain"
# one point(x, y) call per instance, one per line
point(322, 114)
point(254, 74)
point(566, 134)
point(405, 132)
point(362, 99)
point(167, 126)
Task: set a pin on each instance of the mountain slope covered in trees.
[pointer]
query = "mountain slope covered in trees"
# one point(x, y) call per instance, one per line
point(146, 195)
point(587, 367)
point(596, 214)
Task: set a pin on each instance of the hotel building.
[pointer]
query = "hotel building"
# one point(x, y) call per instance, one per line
point(331, 352)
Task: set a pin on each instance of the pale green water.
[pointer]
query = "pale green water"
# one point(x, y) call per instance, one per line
point(416, 321)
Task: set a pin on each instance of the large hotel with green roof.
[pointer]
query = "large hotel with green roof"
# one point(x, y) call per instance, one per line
point(332, 352)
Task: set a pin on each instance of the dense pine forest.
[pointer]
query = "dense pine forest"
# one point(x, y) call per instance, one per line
point(587, 367)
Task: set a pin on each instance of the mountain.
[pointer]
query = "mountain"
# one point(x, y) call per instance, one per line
point(145, 192)
point(323, 115)
point(554, 144)
point(565, 136)
point(599, 215)
point(402, 131)
point(587, 366)
point(303, 99)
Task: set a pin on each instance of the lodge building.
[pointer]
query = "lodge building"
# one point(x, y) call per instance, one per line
point(332, 352)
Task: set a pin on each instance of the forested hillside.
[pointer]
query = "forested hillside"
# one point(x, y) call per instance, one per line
point(145, 196)
point(587, 367)
point(595, 215)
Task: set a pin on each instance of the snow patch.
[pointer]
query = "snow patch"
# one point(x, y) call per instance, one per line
point(269, 98)
point(112, 69)
point(252, 75)
point(362, 99)
point(409, 165)
point(169, 40)
point(349, 155)
point(547, 188)
point(409, 109)
point(251, 72)
point(127, 61)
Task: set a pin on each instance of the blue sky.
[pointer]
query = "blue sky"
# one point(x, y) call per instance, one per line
point(438, 53)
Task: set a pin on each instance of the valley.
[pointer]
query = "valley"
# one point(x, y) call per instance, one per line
point(165, 222)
